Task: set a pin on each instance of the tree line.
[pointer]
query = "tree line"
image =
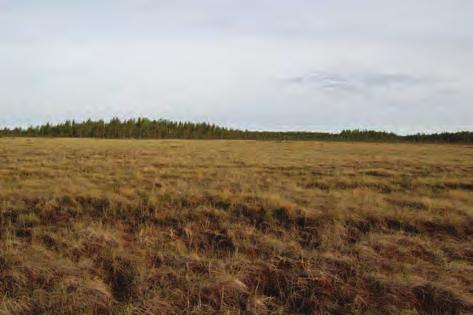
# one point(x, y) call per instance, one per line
point(144, 128)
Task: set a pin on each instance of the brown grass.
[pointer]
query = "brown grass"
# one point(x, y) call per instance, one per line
point(234, 227)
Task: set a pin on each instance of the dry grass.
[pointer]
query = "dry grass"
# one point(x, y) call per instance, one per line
point(234, 227)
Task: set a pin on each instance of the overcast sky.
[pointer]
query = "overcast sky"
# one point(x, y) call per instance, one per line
point(403, 65)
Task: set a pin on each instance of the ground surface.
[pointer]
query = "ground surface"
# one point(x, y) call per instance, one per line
point(212, 227)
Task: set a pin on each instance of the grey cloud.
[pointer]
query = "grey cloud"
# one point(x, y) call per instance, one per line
point(362, 82)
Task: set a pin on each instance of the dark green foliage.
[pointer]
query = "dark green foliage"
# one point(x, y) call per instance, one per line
point(144, 128)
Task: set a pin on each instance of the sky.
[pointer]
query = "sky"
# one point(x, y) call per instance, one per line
point(322, 65)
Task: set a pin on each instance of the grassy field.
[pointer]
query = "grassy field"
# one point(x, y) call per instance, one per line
point(234, 227)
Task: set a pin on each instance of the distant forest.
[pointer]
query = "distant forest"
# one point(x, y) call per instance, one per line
point(143, 128)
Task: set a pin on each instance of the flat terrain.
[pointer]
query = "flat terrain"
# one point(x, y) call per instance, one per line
point(93, 226)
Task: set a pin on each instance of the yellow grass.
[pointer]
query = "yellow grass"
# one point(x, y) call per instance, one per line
point(92, 226)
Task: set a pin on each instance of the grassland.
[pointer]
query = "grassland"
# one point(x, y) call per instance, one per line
point(234, 227)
